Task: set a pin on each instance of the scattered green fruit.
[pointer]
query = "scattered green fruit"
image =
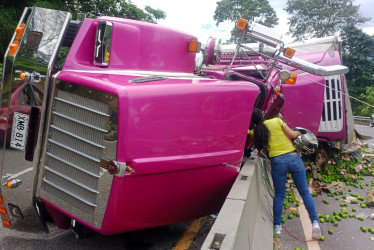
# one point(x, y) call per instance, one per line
point(283, 219)
point(322, 238)
point(321, 220)
point(330, 231)
point(361, 218)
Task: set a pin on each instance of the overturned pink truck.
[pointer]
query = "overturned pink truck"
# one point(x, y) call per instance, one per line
point(140, 126)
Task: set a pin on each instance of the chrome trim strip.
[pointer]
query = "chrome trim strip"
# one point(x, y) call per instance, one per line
point(71, 180)
point(82, 107)
point(179, 75)
point(78, 137)
point(73, 165)
point(314, 68)
point(74, 150)
point(69, 193)
point(83, 123)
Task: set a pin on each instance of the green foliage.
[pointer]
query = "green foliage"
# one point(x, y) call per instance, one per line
point(320, 18)
point(367, 97)
point(358, 54)
point(258, 11)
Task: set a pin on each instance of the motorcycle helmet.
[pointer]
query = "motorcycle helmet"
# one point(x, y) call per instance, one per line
point(307, 142)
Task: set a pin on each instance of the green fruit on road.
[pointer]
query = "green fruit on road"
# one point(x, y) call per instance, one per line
point(283, 219)
point(290, 216)
point(361, 218)
point(363, 229)
point(322, 238)
point(330, 231)
point(353, 209)
point(321, 220)
point(363, 205)
point(335, 223)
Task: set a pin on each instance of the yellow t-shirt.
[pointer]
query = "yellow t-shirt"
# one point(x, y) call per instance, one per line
point(279, 142)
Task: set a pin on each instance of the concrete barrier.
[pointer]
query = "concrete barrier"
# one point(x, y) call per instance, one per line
point(245, 220)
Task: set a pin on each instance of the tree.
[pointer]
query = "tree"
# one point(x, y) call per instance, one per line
point(320, 18)
point(258, 11)
point(358, 56)
point(367, 97)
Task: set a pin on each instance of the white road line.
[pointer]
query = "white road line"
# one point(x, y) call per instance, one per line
point(307, 225)
point(20, 173)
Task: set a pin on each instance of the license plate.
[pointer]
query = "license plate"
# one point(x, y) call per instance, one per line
point(19, 131)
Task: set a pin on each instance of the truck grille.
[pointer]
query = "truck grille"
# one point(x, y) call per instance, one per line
point(75, 146)
point(332, 120)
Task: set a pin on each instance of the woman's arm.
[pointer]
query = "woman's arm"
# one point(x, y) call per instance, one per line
point(290, 133)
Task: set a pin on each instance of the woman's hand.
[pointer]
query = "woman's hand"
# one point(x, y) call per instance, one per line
point(290, 133)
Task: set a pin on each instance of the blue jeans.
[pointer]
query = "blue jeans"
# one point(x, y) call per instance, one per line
point(280, 166)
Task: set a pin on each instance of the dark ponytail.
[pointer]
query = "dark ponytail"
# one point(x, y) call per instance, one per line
point(261, 134)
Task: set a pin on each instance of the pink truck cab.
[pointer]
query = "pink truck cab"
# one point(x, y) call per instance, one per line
point(133, 131)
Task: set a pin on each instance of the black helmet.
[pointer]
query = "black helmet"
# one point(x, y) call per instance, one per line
point(307, 142)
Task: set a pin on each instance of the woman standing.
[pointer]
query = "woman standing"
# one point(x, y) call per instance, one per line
point(273, 135)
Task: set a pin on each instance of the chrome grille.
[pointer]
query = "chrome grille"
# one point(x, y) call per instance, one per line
point(75, 147)
point(332, 120)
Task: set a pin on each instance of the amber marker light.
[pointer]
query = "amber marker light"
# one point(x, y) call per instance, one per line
point(292, 79)
point(193, 46)
point(20, 30)
point(13, 48)
point(289, 52)
point(6, 222)
point(25, 76)
point(241, 24)
point(277, 91)
point(2, 210)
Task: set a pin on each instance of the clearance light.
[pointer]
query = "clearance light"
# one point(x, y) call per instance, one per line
point(277, 91)
point(2, 210)
point(13, 183)
point(19, 31)
point(1, 199)
point(241, 24)
point(13, 48)
point(25, 76)
point(193, 46)
point(292, 79)
point(6, 222)
point(289, 52)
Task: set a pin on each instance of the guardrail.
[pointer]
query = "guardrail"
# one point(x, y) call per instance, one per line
point(362, 120)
